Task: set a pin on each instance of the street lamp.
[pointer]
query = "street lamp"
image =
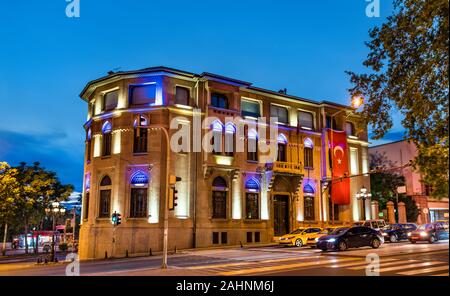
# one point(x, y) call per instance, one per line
point(54, 210)
point(363, 195)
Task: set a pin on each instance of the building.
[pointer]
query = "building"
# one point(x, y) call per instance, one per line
point(226, 196)
point(400, 154)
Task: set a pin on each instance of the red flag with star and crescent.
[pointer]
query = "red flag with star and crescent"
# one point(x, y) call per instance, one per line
point(340, 188)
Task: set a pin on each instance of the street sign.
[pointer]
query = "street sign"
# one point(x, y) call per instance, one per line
point(401, 189)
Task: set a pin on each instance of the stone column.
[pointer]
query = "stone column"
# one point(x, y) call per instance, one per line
point(390, 210)
point(401, 212)
point(375, 209)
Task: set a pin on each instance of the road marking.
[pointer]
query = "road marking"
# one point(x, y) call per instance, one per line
point(353, 264)
point(426, 270)
point(287, 266)
point(386, 264)
point(248, 263)
point(441, 274)
point(423, 264)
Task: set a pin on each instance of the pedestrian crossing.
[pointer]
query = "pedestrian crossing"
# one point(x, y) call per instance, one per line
point(388, 266)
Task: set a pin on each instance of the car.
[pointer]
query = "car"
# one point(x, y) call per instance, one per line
point(376, 224)
point(314, 237)
point(343, 238)
point(298, 237)
point(396, 232)
point(431, 232)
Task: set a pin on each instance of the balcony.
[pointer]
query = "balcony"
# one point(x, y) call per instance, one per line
point(290, 168)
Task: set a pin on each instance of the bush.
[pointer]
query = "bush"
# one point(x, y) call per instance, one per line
point(63, 247)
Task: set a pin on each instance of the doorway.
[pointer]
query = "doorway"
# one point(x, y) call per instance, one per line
point(280, 215)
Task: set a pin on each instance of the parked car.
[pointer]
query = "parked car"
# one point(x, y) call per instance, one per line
point(376, 224)
point(298, 238)
point(354, 237)
point(431, 232)
point(313, 238)
point(396, 232)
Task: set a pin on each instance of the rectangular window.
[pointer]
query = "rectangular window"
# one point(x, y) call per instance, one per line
point(140, 140)
point(350, 129)
point(107, 140)
point(219, 201)
point(279, 112)
point(88, 150)
point(229, 144)
point(110, 100)
point(250, 108)
point(181, 96)
point(217, 142)
point(215, 238)
point(354, 164)
point(309, 208)
point(308, 157)
point(86, 206)
point(143, 94)
point(219, 101)
point(249, 237)
point(252, 149)
point(223, 238)
point(305, 120)
point(138, 207)
point(105, 203)
point(282, 152)
point(257, 237)
point(251, 205)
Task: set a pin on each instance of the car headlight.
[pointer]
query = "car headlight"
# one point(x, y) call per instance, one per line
point(317, 239)
point(385, 234)
point(423, 233)
point(331, 240)
point(409, 234)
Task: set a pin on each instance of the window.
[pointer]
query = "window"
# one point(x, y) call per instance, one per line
point(282, 148)
point(143, 94)
point(107, 139)
point(308, 152)
point(279, 112)
point(349, 128)
point(181, 96)
point(219, 198)
point(88, 145)
point(140, 135)
point(328, 121)
point(252, 145)
point(223, 238)
point(110, 100)
point(305, 120)
point(230, 130)
point(217, 128)
point(105, 197)
point(257, 237)
point(308, 202)
point(354, 164)
point(252, 199)
point(219, 101)
point(138, 200)
point(86, 206)
point(249, 237)
point(250, 108)
point(215, 238)
point(330, 207)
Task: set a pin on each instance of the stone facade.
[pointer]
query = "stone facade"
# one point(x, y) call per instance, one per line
point(258, 200)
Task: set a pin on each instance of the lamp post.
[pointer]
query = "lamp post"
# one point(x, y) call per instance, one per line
point(54, 210)
point(356, 102)
point(363, 195)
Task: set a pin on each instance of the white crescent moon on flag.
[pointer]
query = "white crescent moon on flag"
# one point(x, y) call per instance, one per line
point(338, 148)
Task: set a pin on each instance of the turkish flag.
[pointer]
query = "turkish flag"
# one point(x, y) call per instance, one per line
point(340, 189)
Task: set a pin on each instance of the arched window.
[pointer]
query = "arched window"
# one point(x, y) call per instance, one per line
point(230, 131)
point(308, 153)
point(139, 193)
point(219, 101)
point(219, 198)
point(107, 138)
point(252, 145)
point(217, 128)
point(105, 197)
point(140, 135)
point(282, 148)
point(252, 199)
point(308, 202)
point(88, 145)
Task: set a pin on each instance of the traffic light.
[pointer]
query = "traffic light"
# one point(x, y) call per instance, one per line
point(119, 219)
point(173, 192)
point(116, 218)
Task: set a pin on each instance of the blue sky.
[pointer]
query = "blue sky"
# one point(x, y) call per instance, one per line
point(46, 58)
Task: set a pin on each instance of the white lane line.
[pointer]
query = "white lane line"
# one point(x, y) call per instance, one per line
point(386, 264)
point(426, 270)
point(423, 264)
point(354, 264)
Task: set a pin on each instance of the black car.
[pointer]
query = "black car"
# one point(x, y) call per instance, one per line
point(353, 237)
point(399, 231)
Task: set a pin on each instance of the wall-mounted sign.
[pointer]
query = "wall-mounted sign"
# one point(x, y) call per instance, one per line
point(401, 189)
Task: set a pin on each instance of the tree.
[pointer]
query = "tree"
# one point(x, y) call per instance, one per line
point(9, 191)
point(408, 65)
point(38, 188)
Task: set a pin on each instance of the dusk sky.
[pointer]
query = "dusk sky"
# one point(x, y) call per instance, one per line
point(47, 58)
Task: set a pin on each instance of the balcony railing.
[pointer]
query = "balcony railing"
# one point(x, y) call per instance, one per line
point(287, 167)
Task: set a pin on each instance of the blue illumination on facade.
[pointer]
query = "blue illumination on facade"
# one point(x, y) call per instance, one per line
point(139, 178)
point(252, 183)
point(308, 189)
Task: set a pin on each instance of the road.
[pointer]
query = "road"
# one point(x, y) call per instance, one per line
point(402, 259)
